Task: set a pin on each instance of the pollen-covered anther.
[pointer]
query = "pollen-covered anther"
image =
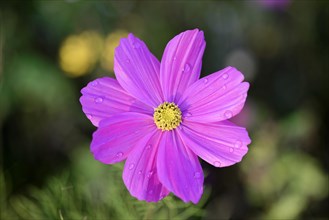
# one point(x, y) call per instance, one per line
point(167, 116)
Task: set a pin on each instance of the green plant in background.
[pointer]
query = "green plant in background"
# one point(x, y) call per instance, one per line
point(279, 179)
point(90, 190)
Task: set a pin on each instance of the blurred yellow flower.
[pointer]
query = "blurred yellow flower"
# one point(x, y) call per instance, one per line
point(79, 53)
point(111, 42)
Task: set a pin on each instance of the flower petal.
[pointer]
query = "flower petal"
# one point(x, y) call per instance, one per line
point(181, 63)
point(117, 136)
point(220, 144)
point(179, 169)
point(104, 97)
point(217, 97)
point(140, 173)
point(137, 70)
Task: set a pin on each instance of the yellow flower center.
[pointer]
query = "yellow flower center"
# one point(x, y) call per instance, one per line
point(167, 116)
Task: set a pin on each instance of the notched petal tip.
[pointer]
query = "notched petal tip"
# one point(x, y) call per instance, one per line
point(117, 135)
point(104, 97)
point(221, 144)
point(140, 174)
point(137, 70)
point(179, 168)
point(217, 97)
point(238, 72)
point(132, 37)
point(181, 63)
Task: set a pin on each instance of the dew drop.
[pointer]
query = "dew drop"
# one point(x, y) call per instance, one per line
point(223, 87)
point(131, 166)
point(150, 174)
point(187, 68)
point(205, 80)
point(197, 175)
point(225, 76)
point(119, 154)
point(89, 116)
point(98, 100)
point(238, 144)
point(148, 147)
point(217, 164)
point(140, 172)
point(228, 114)
point(231, 149)
point(174, 58)
point(94, 83)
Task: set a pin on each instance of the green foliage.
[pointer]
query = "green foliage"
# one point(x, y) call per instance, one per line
point(91, 190)
point(288, 182)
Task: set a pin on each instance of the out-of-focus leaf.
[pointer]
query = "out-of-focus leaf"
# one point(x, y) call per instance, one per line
point(91, 190)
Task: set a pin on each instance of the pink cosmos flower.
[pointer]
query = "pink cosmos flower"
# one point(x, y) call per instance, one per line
point(160, 117)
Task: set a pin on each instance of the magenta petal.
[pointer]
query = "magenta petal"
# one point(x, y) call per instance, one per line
point(137, 70)
point(104, 97)
point(181, 63)
point(140, 173)
point(179, 169)
point(220, 144)
point(118, 135)
point(217, 97)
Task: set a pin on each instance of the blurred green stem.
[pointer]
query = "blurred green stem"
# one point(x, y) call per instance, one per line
point(149, 212)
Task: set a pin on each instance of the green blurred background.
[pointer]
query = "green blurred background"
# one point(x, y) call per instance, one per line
point(49, 50)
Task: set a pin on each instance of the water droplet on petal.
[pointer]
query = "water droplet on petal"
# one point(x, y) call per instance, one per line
point(127, 60)
point(89, 116)
point(150, 174)
point(231, 149)
point(174, 58)
point(228, 114)
point(205, 80)
point(131, 166)
point(225, 76)
point(238, 144)
point(119, 154)
point(188, 114)
point(98, 100)
point(140, 172)
point(217, 164)
point(148, 146)
point(94, 83)
point(187, 68)
point(197, 175)
point(223, 87)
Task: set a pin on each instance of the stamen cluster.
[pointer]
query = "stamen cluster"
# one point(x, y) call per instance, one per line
point(167, 116)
